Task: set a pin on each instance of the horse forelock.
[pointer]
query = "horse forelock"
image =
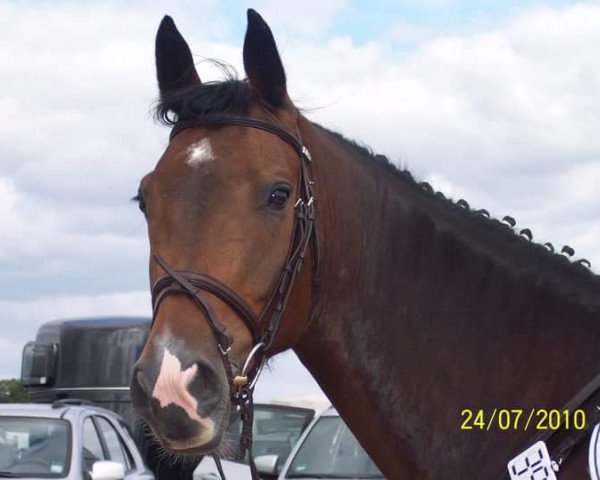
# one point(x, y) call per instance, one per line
point(230, 95)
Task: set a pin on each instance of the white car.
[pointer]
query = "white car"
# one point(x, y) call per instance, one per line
point(275, 431)
point(326, 450)
point(69, 440)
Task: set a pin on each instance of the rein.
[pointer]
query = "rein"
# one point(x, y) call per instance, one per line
point(586, 399)
point(263, 328)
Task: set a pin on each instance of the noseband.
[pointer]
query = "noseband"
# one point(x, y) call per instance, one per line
point(263, 328)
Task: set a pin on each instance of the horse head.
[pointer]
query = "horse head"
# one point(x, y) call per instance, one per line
point(229, 200)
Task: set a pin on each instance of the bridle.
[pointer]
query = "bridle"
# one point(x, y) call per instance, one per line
point(263, 328)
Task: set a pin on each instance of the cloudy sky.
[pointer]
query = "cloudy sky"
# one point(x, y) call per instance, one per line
point(494, 102)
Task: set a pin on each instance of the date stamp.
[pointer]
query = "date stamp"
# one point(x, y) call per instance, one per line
point(519, 419)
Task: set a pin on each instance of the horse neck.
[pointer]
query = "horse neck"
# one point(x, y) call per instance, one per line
point(423, 313)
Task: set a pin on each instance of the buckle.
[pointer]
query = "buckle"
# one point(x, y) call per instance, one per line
point(306, 154)
point(240, 380)
point(224, 351)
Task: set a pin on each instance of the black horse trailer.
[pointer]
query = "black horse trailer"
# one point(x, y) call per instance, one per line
point(92, 359)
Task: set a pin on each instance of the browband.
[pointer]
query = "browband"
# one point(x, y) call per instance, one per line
point(214, 119)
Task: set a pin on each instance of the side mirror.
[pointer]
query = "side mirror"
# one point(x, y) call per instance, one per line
point(266, 464)
point(105, 470)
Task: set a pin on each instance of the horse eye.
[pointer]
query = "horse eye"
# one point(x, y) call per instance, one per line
point(139, 198)
point(279, 197)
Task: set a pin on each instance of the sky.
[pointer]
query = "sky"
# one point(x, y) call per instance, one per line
point(494, 102)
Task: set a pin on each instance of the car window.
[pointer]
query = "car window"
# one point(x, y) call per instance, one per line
point(127, 441)
point(330, 450)
point(114, 444)
point(275, 431)
point(34, 447)
point(92, 448)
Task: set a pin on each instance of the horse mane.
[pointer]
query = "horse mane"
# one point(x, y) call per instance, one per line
point(234, 96)
point(230, 96)
point(544, 259)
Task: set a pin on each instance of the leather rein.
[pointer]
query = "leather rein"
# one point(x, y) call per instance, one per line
point(263, 328)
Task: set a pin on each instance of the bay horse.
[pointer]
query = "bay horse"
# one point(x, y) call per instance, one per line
point(407, 308)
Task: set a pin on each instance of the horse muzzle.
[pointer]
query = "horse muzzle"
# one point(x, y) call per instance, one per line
point(186, 403)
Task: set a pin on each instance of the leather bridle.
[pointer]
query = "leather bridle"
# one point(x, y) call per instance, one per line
point(263, 328)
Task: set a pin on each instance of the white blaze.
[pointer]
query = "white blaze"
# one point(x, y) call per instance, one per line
point(172, 388)
point(199, 152)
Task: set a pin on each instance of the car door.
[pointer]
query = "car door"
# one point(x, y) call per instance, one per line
point(92, 449)
point(117, 450)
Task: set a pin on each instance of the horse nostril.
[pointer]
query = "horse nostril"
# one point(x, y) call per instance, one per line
point(140, 390)
point(143, 382)
point(207, 387)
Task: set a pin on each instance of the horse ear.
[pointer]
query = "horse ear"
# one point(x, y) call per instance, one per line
point(262, 62)
point(174, 64)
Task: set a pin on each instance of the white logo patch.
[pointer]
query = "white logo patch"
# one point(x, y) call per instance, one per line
point(172, 388)
point(199, 153)
point(534, 463)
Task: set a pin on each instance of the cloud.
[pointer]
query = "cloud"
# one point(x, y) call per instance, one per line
point(24, 228)
point(313, 19)
point(44, 309)
point(505, 110)
point(404, 33)
point(10, 360)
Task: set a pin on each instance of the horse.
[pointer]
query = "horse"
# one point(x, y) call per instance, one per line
point(413, 312)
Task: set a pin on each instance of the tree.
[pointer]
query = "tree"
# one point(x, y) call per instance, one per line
point(12, 391)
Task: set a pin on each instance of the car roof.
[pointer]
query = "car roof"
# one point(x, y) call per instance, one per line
point(330, 412)
point(30, 410)
point(48, 410)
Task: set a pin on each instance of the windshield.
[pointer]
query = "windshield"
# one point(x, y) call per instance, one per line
point(275, 431)
point(34, 447)
point(331, 451)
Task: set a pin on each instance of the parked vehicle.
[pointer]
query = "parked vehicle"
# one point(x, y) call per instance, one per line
point(328, 449)
point(85, 358)
point(275, 431)
point(67, 439)
point(92, 359)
